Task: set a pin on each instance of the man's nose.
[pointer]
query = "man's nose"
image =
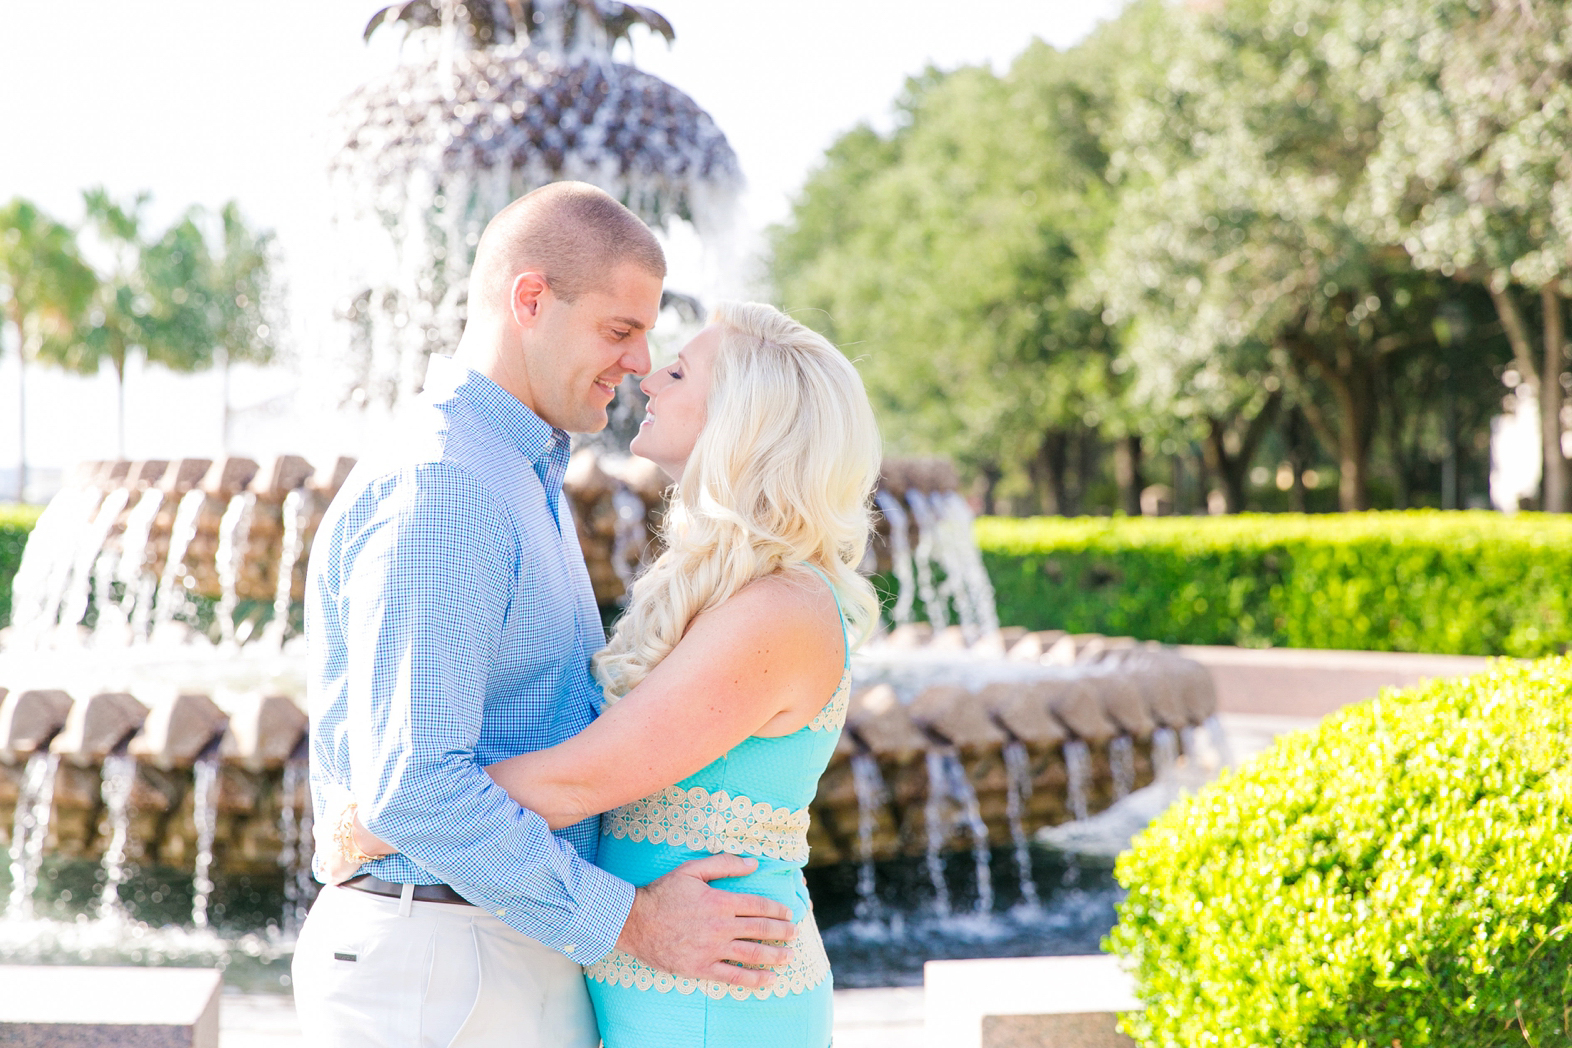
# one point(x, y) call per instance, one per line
point(637, 359)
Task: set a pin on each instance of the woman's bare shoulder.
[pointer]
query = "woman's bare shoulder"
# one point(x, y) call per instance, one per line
point(794, 612)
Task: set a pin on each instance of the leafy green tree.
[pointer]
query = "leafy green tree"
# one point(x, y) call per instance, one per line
point(946, 257)
point(1234, 257)
point(1473, 175)
point(45, 290)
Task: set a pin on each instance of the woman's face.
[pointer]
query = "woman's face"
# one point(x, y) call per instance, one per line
point(676, 411)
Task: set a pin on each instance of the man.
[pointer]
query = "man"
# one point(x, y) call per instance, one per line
point(451, 623)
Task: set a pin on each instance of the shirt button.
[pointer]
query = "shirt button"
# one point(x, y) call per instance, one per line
point(570, 947)
point(502, 912)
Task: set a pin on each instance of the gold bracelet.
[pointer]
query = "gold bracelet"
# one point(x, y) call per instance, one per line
point(344, 837)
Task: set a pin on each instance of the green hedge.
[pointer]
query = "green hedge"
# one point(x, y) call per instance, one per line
point(1402, 875)
point(15, 524)
point(1474, 583)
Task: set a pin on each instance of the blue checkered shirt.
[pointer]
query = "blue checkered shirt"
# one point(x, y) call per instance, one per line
point(450, 624)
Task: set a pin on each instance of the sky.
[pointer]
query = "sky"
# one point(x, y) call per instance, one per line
point(203, 101)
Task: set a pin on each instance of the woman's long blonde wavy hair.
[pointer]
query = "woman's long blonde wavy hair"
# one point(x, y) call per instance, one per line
point(781, 476)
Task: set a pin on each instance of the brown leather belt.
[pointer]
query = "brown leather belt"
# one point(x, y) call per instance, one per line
point(423, 892)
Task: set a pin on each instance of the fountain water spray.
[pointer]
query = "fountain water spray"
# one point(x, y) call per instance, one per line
point(204, 815)
point(938, 828)
point(30, 830)
point(172, 599)
point(923, 558)
point(233, 533)
point(296, 518)
point(72, 608)
point(45, 569)
point(295, 855)
point(1078, 775)
point(1018, 775)
point(900, 554)
point(871, 795)
point(1121, 765)
point(629, 537)
point(1165, 752)
point(134, 572)
point(119, 775)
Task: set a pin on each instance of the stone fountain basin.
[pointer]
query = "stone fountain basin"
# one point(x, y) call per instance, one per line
point(913, 696)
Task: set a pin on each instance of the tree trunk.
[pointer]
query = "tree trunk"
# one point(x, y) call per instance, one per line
point(1553, 491)
point(21, 423)
point(120, 407)
point(1351, 388)
point(990, 475)
point(1233, 470)
point(1127, 471)
point(1516, 332)
point(1298, 458)
point(1048, 469)
point(21, 400)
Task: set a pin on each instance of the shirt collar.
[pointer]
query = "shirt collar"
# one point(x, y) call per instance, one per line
point(539, 442)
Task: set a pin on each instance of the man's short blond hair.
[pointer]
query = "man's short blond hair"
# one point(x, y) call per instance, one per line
point(571, 233)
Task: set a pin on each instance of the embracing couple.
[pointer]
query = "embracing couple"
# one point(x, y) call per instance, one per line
point(533, 836)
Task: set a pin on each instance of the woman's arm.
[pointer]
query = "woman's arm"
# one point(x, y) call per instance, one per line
point(770, 656)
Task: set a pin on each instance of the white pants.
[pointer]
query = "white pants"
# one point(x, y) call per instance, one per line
point(374, 972)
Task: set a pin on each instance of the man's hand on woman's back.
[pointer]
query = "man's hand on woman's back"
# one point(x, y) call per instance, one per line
point(682, 925)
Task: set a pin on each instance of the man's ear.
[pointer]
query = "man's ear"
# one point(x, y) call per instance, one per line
point(527, 296)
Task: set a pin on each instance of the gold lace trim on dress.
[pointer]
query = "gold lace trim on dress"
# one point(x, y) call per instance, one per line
point(713, 822)
point(809, 967)
point(833, 716)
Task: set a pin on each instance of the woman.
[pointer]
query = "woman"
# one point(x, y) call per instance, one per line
point(726, 680)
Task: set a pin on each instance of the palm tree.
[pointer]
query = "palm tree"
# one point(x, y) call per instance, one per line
point(183, 305)
point(47, 290)
point(494, 98)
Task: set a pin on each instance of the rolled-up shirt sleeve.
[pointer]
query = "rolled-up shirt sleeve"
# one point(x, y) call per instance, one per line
point(426, 578)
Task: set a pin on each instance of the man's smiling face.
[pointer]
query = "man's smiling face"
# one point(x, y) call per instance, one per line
point(580, 351)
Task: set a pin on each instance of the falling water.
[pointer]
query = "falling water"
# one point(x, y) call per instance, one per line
point(294, 830)
point(90, 543)
point(1078, 774)
point(629, 536)
point(1165, 752)
point(204, 815)
point(900, 555)
point(1121, 763)
point(30, 829)
point(959, 787)
point(968, 560)
point(870, 799)
point(1219, 736)
point(134, 572)
point(930, 509)
point(297, 517)
point(45, 568)
point(234, 530)
point(922, 557)
point(172, 587)
point(938, 831)
point(1018, 778)
point(935, 545)
point(119, 775)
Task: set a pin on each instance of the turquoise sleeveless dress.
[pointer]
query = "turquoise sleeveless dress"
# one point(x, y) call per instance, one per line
point(752, 801)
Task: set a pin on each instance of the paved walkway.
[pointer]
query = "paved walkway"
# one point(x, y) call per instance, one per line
point(1302, 682)
point(886, 1018)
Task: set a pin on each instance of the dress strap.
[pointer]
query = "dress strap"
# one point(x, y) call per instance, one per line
point(845, 638)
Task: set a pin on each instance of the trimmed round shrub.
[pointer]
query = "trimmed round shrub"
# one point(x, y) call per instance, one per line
point(1402, 875)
